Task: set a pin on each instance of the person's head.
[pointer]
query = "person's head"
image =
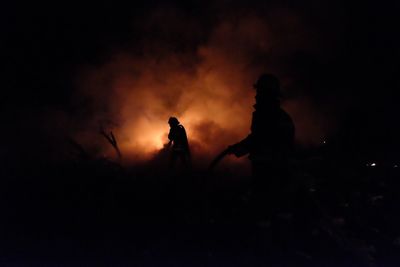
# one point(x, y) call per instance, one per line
point(173, 121)
point(268, 86)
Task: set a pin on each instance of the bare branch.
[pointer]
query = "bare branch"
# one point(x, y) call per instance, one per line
point(112, 140)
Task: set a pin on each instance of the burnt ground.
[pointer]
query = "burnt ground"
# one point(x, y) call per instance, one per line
point(97, 213)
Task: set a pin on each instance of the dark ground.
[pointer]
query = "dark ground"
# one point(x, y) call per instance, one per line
point(95, 213)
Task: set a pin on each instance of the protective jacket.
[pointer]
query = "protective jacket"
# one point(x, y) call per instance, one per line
point(271, 138)
point(177, 135)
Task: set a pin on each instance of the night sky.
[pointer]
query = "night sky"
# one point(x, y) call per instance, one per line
point(346, 62)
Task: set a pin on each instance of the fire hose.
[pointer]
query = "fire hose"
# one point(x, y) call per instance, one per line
point(218, 158)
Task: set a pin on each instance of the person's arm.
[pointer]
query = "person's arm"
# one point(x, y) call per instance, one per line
point(171, 135)
point(239, 149)
point(167, 145)
point(242, 148)
point(171, 138)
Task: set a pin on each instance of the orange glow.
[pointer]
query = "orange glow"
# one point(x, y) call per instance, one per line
point(209, 90)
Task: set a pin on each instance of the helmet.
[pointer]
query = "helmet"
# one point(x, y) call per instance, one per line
point(173, 121)
point(268, 84)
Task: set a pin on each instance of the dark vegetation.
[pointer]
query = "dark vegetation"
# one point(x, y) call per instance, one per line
point(93, 212)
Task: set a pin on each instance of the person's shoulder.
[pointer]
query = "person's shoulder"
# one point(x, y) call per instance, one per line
point(284, 115)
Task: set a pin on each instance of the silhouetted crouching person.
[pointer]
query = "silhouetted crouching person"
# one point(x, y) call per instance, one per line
point(269, 145)
point(180, 145)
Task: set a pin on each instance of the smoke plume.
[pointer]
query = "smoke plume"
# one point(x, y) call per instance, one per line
point(201, 75)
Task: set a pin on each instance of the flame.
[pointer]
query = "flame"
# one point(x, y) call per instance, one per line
point(152, 139)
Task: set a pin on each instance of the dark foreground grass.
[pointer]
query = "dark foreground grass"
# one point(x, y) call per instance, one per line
point(97, 213)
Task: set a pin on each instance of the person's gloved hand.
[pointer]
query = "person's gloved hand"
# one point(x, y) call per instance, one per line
point(231, 149)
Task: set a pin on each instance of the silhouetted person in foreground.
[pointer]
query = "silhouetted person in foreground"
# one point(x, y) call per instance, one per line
point(178, 142)
point(269, 144)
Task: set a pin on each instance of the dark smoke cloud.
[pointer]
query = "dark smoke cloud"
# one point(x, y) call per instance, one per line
point(129, 67)
point(201, 75)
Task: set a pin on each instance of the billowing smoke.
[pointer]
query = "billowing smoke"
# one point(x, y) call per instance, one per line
point(205, 82)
